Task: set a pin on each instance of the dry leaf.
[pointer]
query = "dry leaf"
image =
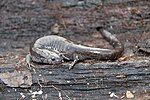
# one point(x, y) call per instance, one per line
point(17, 79)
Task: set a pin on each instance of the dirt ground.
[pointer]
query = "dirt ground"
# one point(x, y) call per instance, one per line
point(23, 21)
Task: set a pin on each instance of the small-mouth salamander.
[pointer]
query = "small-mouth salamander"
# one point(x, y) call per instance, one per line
point(54, 49)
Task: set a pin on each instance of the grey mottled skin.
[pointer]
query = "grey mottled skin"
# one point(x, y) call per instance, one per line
point(63, 49)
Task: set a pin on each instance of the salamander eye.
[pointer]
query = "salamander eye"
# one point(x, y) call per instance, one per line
point(53, 58)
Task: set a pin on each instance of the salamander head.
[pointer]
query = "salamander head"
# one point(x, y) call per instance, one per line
point(52, 57)
point(45, 56)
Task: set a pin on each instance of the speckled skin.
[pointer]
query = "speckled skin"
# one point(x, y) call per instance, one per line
point(68, 50)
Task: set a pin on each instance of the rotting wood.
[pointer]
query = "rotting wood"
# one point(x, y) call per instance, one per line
point(100, 77)
point(23, 22)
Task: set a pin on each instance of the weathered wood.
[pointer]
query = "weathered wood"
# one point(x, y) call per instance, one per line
point(102, 77)
point(23, 21)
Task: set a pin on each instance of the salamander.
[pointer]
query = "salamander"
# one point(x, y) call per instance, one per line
point(54, 49)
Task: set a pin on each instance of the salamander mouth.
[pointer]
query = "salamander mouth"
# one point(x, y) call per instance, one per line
point(54, 62)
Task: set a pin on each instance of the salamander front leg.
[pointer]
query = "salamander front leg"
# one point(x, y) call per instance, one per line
point(28, 60)
point(76, 59)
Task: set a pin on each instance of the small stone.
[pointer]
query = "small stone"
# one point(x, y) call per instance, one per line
point(129, 94)
point(120, 76)
point(113, 95)
point(68, 81)
point(55, 28)
point(50, 72)
point(22, 95)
